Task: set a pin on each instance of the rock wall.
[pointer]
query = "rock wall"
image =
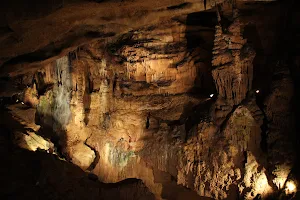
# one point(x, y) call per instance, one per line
point(281, 125)
point(232, 59)
point(124, 108)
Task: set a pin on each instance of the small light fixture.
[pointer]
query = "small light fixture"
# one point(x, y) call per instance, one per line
point(257, 91)
point(17, 100)
point(22, 103)
point(211, 95)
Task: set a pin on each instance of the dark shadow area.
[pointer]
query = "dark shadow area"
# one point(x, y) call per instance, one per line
point(11, 86)
point(200, 31)
point(197, 114)
point(9, 124)
point(262, 77)
point(89, 88)
point(291, 43)
point(180, 6)
point(53, 50)
point(96, 160)
point(4, 101)
point(285, 53)
point(262, 69)
point(148, 121)
point(87, 110)
point(87, 105)
point(173, 191)
point(6, 134)
point(39, 81)
point(57, 136)
point(233, 192)
point(192, 115)
point(30, 9)
point(206, 19)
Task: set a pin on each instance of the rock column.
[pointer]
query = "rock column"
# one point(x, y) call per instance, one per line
point(232, 59)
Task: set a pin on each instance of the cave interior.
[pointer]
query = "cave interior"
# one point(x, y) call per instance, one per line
point(142, 100)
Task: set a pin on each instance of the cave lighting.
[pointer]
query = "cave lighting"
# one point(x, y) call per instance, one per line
point(211, 95)
point(22, 103)
point(279, 182)
point(290, 187)
point(257, 91)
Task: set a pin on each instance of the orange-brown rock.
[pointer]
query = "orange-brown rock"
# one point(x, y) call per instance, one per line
point(233, 71)
point(160, 94)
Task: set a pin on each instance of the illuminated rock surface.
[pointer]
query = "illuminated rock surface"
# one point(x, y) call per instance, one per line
point(174, 100)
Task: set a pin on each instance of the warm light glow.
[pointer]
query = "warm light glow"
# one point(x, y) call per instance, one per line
point(31, 141)
point(257, 91)
point(281, 173)
point(261, 184)
point(279, 182)
point(255, 178)
point(290, 187)
point(22, 103)
point(211, 95)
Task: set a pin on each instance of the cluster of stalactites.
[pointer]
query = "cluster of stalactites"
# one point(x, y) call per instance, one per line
point(232, 59)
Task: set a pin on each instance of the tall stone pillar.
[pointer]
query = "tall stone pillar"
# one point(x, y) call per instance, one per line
point(232, 59)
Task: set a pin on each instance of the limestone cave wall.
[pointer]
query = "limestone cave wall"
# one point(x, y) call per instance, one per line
point(177, 104)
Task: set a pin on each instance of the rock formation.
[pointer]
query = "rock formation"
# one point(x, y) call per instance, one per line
point(233, 61)
point(166, 94)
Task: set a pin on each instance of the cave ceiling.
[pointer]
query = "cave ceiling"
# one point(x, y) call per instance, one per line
point(34, 32)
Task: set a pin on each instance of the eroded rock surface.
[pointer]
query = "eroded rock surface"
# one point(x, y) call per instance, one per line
point(233, 61)
point(150, 104)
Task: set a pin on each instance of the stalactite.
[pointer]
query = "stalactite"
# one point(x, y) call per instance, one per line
point(233, 74)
